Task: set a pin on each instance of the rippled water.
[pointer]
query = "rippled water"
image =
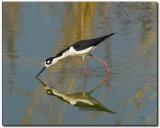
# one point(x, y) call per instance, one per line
point(34, 31)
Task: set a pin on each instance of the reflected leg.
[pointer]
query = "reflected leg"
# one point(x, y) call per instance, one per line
point(97, 87)
point(85, 84)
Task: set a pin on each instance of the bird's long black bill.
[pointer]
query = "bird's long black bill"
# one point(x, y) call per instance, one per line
point(40, 72)
point(39, 79)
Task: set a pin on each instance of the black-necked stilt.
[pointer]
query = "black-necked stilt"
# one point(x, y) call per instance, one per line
point(80, 48)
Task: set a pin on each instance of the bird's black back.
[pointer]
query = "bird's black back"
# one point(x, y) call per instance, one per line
point(83, 44)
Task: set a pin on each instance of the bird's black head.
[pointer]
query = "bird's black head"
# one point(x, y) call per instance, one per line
point(50, 61)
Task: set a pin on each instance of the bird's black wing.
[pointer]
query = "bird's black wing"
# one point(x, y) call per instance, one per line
point(61, 52)
point(84, 44)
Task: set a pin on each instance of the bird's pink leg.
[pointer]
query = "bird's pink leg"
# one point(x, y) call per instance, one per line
point(85, 74)
point(103, 62)
point(84, 66)
point(106, 65)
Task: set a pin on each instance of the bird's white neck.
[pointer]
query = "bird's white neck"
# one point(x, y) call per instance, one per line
point(69, 52)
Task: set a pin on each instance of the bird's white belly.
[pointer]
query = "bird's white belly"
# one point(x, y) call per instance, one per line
point(73, 51)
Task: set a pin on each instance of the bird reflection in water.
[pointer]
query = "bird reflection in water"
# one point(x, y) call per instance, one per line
point(79, 99)
point(83, 99)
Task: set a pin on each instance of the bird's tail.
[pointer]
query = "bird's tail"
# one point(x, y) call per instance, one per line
point(98, 40)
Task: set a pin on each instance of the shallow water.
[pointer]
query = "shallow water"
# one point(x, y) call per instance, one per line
point(34, 31)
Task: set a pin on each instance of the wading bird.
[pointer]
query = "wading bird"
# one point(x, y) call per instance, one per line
point(80, 48)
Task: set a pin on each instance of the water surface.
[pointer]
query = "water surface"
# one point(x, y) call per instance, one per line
point(34, 31)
